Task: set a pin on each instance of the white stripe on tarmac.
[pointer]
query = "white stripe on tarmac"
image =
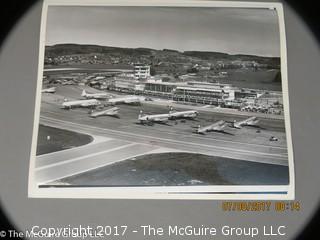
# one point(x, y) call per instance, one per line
point(165, 139)
point(82, 157)
point(196, 136)
point(77, 147)
point(214, 139)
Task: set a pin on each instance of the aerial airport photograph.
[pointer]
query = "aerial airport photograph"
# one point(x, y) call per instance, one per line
point(161, 96)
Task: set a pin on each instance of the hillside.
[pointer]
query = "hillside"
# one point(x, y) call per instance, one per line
point(71, 49)
point(161, 55)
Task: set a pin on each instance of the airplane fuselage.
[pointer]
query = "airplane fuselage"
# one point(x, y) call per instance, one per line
point(126, 100)
point(153, 118)
point(94, 95)
point(184, 114)
point(81, 103)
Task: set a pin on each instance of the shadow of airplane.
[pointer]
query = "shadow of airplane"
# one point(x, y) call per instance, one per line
point(152, 123)
point(204, 133)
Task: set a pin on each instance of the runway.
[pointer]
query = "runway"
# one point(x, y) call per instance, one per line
point(125, 139)
point(58, 165)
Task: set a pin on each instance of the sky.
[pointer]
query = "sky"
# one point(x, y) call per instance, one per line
point(228, 30)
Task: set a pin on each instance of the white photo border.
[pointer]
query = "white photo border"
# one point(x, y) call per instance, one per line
point(214, 192)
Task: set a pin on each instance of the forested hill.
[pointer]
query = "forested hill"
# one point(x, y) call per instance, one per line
point(74, 49)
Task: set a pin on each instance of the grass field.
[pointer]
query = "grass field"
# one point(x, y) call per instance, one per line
point(59, 139)
point(180, 169)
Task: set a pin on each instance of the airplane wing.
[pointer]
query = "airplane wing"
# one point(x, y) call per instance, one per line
point(219, 128)
point(221, 125)
point(247, 122)
point(49, 90)
point(113, 111)
point(108, 112)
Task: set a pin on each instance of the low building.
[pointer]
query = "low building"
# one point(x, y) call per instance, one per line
point(159, 86)
point(198, 92)
point(201, 95)
point(227, 89)
point(127, 83)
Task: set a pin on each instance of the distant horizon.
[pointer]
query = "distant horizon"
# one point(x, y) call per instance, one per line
point(233, 31)
point(176, 50)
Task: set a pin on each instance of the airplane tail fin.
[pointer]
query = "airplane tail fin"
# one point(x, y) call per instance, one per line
point(140, 114)
point(83, 93)
point(233, 124)
point(236, 124)
point(224, 125)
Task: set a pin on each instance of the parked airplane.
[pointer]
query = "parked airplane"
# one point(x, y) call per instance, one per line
point(94, 95)
point(216, 127)
point(81, 103)
point(251, 121)
point(108, 112)
point(126, 100)
point(183, 114)
point(49, 90)
point(157, 118)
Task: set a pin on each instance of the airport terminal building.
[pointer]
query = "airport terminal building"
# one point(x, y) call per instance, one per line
point(197, 92)
point(191, 91)
point(139, 82)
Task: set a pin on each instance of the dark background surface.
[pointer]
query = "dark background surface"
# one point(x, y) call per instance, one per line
point(303, 65)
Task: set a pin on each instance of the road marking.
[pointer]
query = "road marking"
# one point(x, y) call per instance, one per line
point(163, 139)
point(218, 110)
point(87, 170)
point(214, 139)
point(86, 156)
point(198, 137)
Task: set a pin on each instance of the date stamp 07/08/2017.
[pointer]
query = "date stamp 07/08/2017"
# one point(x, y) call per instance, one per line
point(260, 206)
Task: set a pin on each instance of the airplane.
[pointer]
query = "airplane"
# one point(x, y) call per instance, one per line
point(154, 118)
point(81, 103)
point(215, 127)
point(183, 114)
point(49, 90)
point(108, 112)
point(126, 100)
point(251, 121)
point(94, 95)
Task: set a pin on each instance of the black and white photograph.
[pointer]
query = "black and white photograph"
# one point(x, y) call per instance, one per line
point(162, 99)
